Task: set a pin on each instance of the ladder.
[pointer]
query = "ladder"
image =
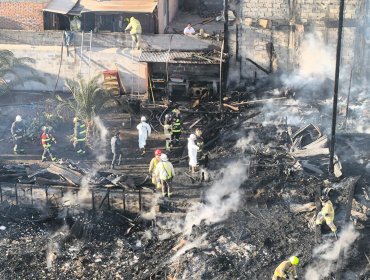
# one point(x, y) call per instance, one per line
point(87, 49)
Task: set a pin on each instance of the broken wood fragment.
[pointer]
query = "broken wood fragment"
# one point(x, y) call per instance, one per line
point(71, 176)
point(301, 208)
point(230, 107)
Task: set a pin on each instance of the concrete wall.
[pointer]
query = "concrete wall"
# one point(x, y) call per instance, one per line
point(265, 22)
point(173, 6)
point(108, 40)
point(107, 51)
point(48, 61)
point(22, 14)
point(213, 5)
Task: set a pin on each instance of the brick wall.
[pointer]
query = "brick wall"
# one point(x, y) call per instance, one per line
point(263, 22)
point(22, 15)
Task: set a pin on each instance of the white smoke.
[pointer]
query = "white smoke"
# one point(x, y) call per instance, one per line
point(100, 141)
point(220, 200)
point(326, 255)
point(316, 62)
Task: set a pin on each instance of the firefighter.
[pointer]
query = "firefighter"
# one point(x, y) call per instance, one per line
point(152, 167)
point(176, 132)
point(287, 269)
point(176, 111)
point(327, 214)
point(144, 130)
point(199, 142)
point(46, 141)
point(192, 153)
point(116, 147)
point(18, 132)
point(79, 139)
point(164, 173)
point(135, 31)
point(167, 130)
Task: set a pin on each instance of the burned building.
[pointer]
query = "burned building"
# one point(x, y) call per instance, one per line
point(272, 36)
point(183, 75)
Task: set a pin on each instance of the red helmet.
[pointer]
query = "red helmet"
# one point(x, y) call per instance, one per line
point(158, 152)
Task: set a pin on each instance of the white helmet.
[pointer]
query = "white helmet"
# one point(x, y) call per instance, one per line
point(143, 119)
point(18, 118)
point(192, 137)
point(164, 157)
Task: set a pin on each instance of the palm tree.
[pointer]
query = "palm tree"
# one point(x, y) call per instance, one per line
point(14, 71)
point(87, 100)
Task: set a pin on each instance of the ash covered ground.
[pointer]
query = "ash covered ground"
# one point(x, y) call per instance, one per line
point(238, 218)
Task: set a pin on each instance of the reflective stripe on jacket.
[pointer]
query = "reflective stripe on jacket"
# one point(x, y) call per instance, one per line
point(80, 132)
point(46, 140)
point(176, 127)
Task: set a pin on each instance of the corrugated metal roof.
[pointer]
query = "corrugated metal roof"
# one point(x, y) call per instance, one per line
point(133, 6)
point(60, 6)
point(176, 57)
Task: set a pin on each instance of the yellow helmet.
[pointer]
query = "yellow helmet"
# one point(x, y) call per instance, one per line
point(294, 260)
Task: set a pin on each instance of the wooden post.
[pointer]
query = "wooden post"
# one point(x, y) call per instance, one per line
point(16, 194)
point(140, 205)
point(336, 87)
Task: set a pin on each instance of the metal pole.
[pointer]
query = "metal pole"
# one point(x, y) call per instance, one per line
point(91, 35)
point(336, 87)
point(348, 96)
point(226, 25)
point(140, 205)
point(81, 51)
point(221, 84)
point(16, 194)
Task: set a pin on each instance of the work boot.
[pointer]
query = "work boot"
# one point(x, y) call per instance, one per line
point(143, 152)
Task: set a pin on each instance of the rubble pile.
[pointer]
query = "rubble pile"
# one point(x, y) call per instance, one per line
point(253, 206)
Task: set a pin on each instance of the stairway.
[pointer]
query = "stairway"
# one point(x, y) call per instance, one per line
point(112, 82)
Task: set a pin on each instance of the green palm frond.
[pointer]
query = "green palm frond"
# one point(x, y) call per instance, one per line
point(87, 100)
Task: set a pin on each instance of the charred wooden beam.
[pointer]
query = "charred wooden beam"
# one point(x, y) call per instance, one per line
point(258, 66)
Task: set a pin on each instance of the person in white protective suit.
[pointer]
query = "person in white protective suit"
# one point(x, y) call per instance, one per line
point(144, 132)
point(192, 153)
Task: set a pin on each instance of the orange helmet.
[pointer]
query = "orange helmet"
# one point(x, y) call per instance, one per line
point(158, 152)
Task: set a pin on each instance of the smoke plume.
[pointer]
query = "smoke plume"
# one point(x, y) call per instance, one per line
point(316, 63)
point(326, 255)
point(100, 141)
point(220, 200)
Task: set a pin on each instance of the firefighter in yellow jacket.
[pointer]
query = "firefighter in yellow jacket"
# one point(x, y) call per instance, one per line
point(286, 269)
point(326, 214)
point(164, 173)
point(135, 31)
point(152, 167)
